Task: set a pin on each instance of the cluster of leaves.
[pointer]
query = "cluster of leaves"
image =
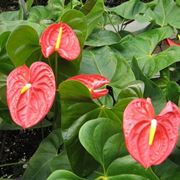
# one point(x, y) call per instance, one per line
point(87, 141)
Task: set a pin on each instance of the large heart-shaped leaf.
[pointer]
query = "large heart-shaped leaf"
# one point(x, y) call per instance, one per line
point(102, 139)
point(22, 43)
point(142, 47)
point(39, 164)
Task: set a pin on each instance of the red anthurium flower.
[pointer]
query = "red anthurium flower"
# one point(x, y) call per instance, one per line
point(61, 38)
point(30, 93)
point(93, 82)
point(172, 43)
point(150, 138)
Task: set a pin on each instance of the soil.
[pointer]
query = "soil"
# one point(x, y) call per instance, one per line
point(16, 148)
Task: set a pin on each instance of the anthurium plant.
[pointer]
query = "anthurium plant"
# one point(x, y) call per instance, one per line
point(109, 94)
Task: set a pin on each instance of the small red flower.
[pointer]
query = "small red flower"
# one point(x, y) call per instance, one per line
point(61, 38)
point(30, 93)
point(93, 82)
point(150, 138)
point(172, 43)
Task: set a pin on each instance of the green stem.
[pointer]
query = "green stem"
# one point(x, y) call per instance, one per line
point(71, 4)
point(112, 24)
point(100, 102)
point(157, 178)
point(56, 68)
point(11, 164)
point(55, 102)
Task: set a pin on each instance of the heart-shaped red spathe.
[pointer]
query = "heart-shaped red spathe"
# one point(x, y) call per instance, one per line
point(93, 82)
point(137, 119)
point(31, 106)
point(68, 48)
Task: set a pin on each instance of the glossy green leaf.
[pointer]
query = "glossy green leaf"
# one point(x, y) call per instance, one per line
point(8, 16)
point(102, 38)
point(167, 12)
point(40, 14)
point(151, 89)
point(12, 25)
point(63, 175)
point(56, 7)
point(5, 63)
point(94, 11)
point(39, 164)
point(166, 58)
point(142, 47)
point(130, 9)
point(167, 170)
point(173, 92)
point(22, 43)
point(127, 165)
point(102, 140)
point(60, 161)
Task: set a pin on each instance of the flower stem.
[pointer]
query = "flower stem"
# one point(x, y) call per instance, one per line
point(11, 164)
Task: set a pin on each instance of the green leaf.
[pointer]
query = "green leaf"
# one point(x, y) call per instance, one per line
point(130, 9)
point(60, 161)
point(22, 43)
point(94, 11)
point(102, 38)
point(8, 16)
point(56, 8)
point(5, 63)
point(12, 25)
point(40, 14)
point(102, 140)
point(151, 89)
point(167, 170)
point(173, 92)
point(126, 165)
point(63, 175)
point(142, 47)
point(165, 59)
point(39, 165)
point(167, 12)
